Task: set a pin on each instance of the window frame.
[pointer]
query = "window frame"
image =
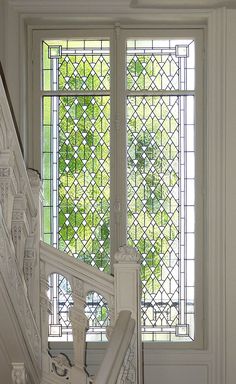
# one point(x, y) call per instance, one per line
point(118, 216)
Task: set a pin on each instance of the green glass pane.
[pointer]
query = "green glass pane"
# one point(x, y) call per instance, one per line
point(153, 200)
point(84, 178)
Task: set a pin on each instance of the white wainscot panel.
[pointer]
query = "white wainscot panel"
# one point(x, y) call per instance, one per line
point(178, 374)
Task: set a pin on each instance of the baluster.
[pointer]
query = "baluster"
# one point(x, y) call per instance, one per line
point(45, 310)
point(111, 315)
point(79, 324)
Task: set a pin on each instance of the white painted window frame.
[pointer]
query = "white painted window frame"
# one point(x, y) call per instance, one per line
point(118, 36)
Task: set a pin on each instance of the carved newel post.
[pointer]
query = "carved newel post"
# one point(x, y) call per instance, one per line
point(79, 324)
point(127, 296)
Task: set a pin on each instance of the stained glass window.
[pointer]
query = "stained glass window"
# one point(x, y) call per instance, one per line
point(76, 149)
point(160, 182)
point(78, 137)
point(60, 296)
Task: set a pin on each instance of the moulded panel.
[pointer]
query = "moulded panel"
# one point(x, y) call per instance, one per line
point(179, 374)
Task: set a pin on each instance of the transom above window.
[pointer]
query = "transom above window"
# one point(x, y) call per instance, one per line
point(119, 150)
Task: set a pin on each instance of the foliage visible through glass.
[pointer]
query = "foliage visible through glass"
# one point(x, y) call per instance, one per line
point(160, 171)
point(76, 151)
point(160, 180)
point(60, 296)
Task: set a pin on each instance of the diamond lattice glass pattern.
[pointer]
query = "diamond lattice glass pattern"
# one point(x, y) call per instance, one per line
point(76, 152)
point(76, 65)
point(61, 300)
point(97, 312)
point(160, 186)
point(160, 64)
point(77, 177)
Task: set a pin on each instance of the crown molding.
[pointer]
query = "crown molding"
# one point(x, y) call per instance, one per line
point(182, 4)
point(115, 6)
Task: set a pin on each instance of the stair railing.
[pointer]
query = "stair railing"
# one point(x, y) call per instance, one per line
point(19, 238)
point(117, 349)
point(122, 295)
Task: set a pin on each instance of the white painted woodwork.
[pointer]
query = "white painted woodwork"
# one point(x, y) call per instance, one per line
point(83, 279)
point(118, 344)
point(59, 262)
point(20, 340)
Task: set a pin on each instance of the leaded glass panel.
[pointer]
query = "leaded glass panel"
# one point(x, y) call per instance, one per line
point(98, 314)
point(160, 183)
point(76, 160)
point(160, 119)
point(81, 65)
point(60, 297)
point(160, 65)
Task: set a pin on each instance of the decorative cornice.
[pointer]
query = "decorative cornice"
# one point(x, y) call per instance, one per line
point(182, 4)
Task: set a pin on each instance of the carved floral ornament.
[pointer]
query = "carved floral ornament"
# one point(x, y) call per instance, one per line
point(127, 254)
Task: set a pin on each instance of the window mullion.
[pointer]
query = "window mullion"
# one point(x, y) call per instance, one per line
point(118, 147)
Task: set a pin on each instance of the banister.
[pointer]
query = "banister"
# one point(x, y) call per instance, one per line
point(66, 265)
point(116, 350)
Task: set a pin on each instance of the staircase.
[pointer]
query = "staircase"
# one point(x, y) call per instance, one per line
point(26, 264)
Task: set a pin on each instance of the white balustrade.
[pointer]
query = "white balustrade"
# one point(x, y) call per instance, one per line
point(18, 225)
point(26, 264)
point(122, 293)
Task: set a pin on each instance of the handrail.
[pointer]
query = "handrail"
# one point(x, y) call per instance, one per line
point(116, 350)
point(66, 265)
point(11, 145)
